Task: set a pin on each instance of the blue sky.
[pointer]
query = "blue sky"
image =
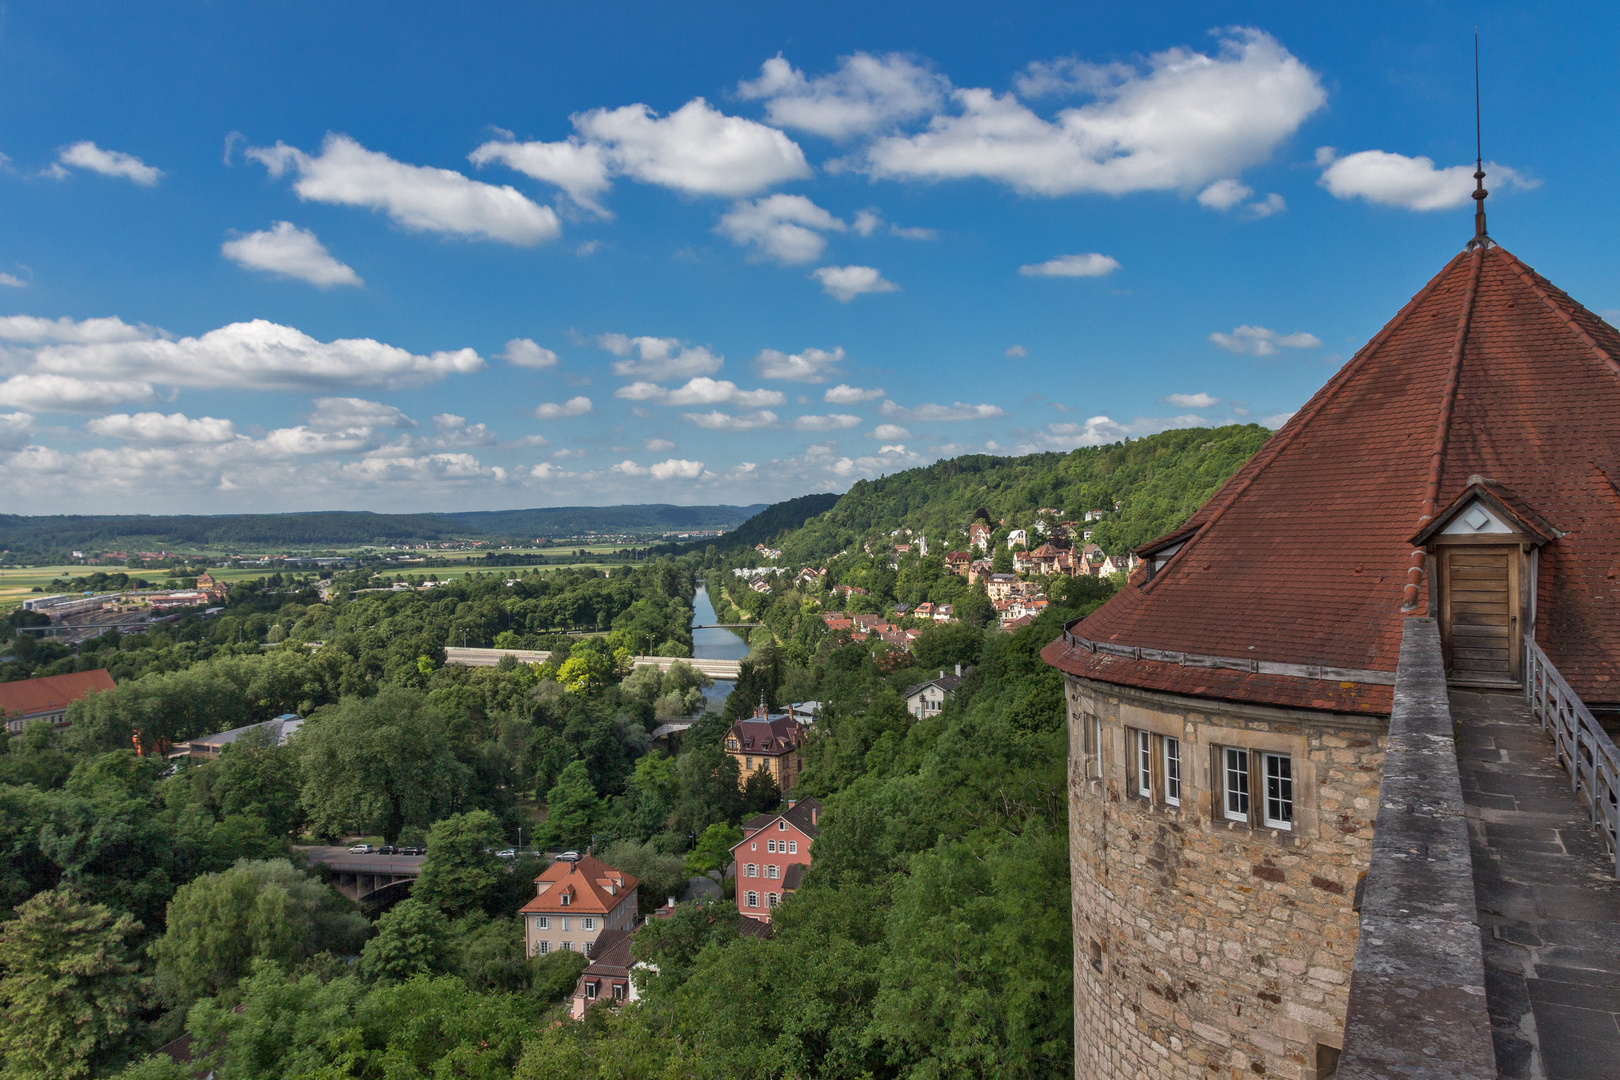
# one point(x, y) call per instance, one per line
point(421, 257)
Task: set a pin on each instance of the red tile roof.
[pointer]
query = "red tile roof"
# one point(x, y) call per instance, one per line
point(1301, 558)
point(593, 888)
point(50, 693)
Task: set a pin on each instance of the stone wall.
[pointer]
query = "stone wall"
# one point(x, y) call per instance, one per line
point(1205, 947)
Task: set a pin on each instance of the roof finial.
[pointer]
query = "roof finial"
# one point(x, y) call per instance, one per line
point(1480, 238)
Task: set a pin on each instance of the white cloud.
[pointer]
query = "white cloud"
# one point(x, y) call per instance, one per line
point(87, 155)
point(64, 393)
point(344, 413)
point(1271, 204)
point(257, 355)
point(1413, 183)
point(786, 228)
point(701, 391)
point(1189, 401)
point(844, 394)
point(913, 232)
point(158, 429)
point(885, 432)
point(289, 251)
point(866, 94)
point(811, 365)
point(1184, 120)
point(696, 149)
point(845, 283)
point(1088, 265)
point(1258, 341)
point(658, 444)
point(414, 196)
point(1224, 194)
point(661, 359)
point(428, 468)
point(33, 330)
point(575, 406)
point(1016, 352)
point(924, 413)
point(1100, 429)
point(302, 441)
point(521, 352)
point(547, 471)
point(16, 429)
point(559, 455)
point(866, 223)
point(829, 422)
point(580, 168)
point(719, 421)
point(673, 469)
point(13, 280)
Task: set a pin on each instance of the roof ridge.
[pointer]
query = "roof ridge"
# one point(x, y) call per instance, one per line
point(1311, 409)
point(1535, 281)
point(1442, 431)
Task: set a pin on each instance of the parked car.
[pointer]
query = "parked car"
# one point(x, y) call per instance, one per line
point(388, 849)
point(361, 849)
point(412, 851)
point(507, 853)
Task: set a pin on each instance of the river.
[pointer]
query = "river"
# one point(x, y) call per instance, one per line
point(714, 644)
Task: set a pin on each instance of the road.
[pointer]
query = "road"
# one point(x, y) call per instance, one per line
point(715, 669)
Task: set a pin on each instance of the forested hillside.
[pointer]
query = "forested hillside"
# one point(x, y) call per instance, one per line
point(1158, 482)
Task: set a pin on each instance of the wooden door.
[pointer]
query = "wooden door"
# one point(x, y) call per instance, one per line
point(1479, 615)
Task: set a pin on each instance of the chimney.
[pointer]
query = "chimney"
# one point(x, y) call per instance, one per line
point(672, 901)
point(958, 671)
point(813, 811)
point(792, 803)
point(942, 672)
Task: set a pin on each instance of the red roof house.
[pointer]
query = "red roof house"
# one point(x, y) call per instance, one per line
point(48, 697)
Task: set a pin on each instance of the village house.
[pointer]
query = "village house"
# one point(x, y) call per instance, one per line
point(979, 536)
point(957, 562)
point(837, 620)
point(576, 900)
point(924, 699)
point(944, 613)
point(849, 590)
point(808, 576)
point(47, 698)
point(976, 569)
point(1000, 586)
point(770, 743)
point(607, 977)
point(1017, 537)
point(772, 855)
point(1340, 638)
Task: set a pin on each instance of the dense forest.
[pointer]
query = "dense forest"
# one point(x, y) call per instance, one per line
point(931, 938)
point(26, 536)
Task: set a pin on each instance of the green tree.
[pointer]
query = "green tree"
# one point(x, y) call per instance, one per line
point(760, 792)
point(69, 991)
point(553, 977)
point(660, 876)
point(713, 851)
point(1002, 561)
point(572, 809)
point(412, 939)
point(461, 872)
point(218, 924)
point(378, 764)
point(253, 779)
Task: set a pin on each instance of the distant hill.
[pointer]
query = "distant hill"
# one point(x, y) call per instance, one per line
point(776, 519)
point(1158, 482)
point(580, 520)
point(338, 528)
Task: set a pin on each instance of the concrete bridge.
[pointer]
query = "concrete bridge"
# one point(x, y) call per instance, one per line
point(722, 670)
point(367, 879)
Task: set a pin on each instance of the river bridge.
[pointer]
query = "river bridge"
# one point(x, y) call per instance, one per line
point(721, 670)
point(366, 879)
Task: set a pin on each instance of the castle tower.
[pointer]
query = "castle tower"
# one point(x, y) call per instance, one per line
point(1228, 708)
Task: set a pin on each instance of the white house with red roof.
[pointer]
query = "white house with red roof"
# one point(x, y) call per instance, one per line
point(576, 900)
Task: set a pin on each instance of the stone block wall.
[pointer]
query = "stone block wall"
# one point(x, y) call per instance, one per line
point(1204, 947)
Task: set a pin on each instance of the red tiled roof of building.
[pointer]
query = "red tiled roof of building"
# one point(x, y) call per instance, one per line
point(51, 693)
point(592, 886)
point(767, 737)
point(1302, 556)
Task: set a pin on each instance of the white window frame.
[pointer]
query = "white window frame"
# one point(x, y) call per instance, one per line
point(566, 946)
point(1144, 763)
point(1278, 770)
point(542, 922)
point(545, 947)
point(771, 899)
point(618, 992)
point(1236, 799)
point(770, 846)
point(565, 898)
point(1172, 769)
point(565, 922)
point(753, 899)
point(771, 871)
point(587, 924)
point(781, 826)
point(793, 847)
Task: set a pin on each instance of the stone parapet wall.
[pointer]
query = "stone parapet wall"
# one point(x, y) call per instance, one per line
point(1205, 947)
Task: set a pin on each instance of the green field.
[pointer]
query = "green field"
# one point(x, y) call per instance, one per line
point(18, 584)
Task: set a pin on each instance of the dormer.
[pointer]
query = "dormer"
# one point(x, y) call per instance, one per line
point(1155, 556)
point(1482, 560)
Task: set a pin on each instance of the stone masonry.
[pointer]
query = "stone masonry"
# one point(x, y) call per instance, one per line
point(1205, 947)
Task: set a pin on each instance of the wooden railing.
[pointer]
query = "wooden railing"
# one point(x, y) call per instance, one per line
point(1584, 748)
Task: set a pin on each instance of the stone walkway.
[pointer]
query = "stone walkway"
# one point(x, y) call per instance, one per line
point(1549, 904)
